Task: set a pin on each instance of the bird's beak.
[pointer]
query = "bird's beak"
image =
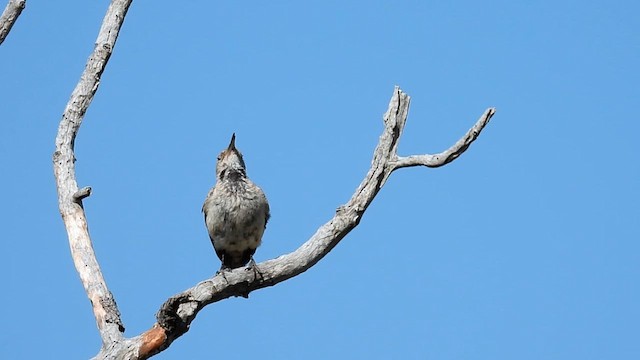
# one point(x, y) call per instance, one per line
point(232, 144)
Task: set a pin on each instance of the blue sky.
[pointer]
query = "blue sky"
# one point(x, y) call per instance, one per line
point(526, 247)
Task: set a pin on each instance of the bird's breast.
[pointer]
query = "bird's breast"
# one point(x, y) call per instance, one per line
point(235, 217)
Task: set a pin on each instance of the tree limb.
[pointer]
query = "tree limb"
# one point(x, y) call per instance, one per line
point(69, 196)
point(177, 313)
point(9, 16)
point(451, 153)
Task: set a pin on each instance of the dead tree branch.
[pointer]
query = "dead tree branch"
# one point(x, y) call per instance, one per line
point(451, 153)
point(9, 16)
point(70, 196)
point(177, 313)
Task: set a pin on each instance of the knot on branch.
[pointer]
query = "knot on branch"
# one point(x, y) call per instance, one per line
point(85, 192)
point(168, 316)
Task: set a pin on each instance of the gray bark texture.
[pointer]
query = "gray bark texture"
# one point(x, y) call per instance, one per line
point(9, 16)
point(70, 196)
point(176, 314)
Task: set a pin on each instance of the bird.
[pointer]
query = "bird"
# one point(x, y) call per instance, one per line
point(236, 212)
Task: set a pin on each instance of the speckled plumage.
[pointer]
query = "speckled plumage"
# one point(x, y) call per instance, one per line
point(236, 211)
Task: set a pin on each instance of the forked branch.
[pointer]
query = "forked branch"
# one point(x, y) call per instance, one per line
point(177, 313)
point(9, 16)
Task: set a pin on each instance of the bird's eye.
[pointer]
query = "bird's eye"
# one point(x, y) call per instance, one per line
point(219, 157)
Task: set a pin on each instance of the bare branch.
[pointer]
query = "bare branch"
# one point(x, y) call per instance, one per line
point(9, 16)
point(177, 313)
point(69, 197)
point(451, 153)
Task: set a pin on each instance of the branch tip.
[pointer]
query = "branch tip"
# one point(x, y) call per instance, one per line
point(451, 153)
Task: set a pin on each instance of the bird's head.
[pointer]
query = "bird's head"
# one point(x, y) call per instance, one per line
point(230, 164)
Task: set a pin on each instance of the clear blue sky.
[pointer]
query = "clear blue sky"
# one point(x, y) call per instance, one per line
point(526, 247)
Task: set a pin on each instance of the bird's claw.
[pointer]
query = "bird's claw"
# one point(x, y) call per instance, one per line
point(223, 269)
point(256, 272)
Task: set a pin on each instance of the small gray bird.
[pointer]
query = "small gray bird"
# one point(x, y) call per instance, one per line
point(236, 211)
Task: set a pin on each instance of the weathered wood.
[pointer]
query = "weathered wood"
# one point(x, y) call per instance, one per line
point(9, 16)
point(177, 313)
point(451, 153)
point(70, 197)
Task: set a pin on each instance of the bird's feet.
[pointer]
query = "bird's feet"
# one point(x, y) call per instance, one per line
point(256, 272)
point(222, 271)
